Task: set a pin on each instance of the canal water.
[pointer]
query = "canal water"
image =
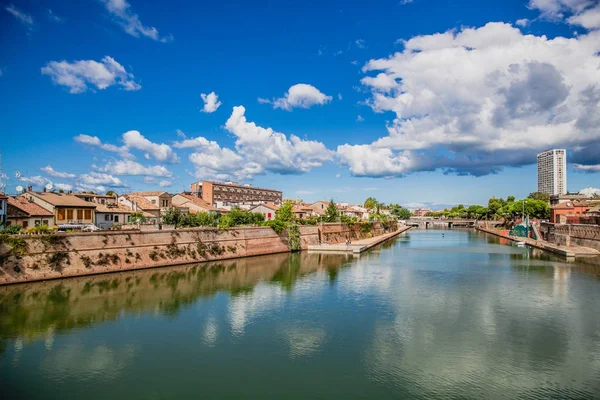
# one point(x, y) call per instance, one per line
point(431, 314)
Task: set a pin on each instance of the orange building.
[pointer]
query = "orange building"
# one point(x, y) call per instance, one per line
point(560, 211)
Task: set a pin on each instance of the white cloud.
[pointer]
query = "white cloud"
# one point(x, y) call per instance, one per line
point(359, 119)
point(165, 184)
point(21, 16)
point(475, 100)
point(63, 186)
point(214, 162)
point(95, 141)
point(130, 22)
point(82, 187)
point(97, 178)
point(149, 179)
point(339, 96)
point(587, 168)
point(271, 149)
point(50, 171)
point(80, 75)
point(338, 176)
point(129, 167)
point(300, 95)
point(35, 180)
point(522, 22)
point(53, 17)
point(360, 43)
point(211, 102)
point(584, 13)
point(159, 152)
point(590, 191)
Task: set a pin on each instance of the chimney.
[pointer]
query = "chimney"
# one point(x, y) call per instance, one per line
point(29, 188)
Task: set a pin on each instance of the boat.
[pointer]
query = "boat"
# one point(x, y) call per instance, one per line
point(521, 244)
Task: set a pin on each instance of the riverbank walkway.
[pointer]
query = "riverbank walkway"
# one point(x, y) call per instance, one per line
point(358, 246)
point(566, 251)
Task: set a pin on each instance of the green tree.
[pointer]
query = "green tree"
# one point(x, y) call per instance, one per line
point(510, 199)
point(331, 214)
point(173, 216)
point(285, 212)
point(539, 196)
point(371, 203)
point(137, 217)
point(111, 193)
point(401, 213)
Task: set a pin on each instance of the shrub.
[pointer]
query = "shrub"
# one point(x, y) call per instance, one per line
point(11, 230)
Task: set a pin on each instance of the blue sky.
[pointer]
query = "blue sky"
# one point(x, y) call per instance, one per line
point(106, 93)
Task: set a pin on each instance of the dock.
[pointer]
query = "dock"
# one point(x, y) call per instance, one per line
point(565, 251)
point(358, 246)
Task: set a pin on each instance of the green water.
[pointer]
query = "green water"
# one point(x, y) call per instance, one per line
point(432, 314)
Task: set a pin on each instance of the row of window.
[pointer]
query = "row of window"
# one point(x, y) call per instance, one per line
point(70, 214)
point(251, 191)
point(25, 224)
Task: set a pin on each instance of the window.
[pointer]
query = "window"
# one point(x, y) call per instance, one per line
point(107, 217)
point(102, 201)
point(79, 214)
point(165, 203)
point(25, 224)
point(45, 222)
point(153, 201)
point(116, 218)
point(61, 214)
point(88, 214)
point(269, 215)
point(69, 214)
point(37, 222)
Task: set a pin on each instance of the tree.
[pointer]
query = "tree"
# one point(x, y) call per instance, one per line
point(539, 196)
point(111, 193)
point(172, 216)
point(510, 199)
point(137, 217)
point(285, 212)
point(371, 203)
point(401, 213)
point(331, 214)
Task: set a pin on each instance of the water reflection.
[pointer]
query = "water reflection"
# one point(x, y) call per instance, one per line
point(39, 310)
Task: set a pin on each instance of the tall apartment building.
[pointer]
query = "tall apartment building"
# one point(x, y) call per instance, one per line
point(231, 194)
point(552, 172)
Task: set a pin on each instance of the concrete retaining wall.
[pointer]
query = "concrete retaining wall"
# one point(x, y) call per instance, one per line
point(572, 234)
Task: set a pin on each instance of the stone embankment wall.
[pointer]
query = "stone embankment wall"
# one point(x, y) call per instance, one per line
point(26, 258)
point(571, 234)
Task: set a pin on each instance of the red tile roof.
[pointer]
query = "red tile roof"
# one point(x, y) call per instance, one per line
point(28, 207)
point(197, 201)
point(142, 202)
point(151, 193)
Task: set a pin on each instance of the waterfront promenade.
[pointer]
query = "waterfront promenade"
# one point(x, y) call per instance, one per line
point(566, 251)
point(358, 246)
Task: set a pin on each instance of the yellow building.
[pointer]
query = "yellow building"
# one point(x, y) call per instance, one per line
point(66, 208)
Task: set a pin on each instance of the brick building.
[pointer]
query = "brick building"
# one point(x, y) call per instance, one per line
point(231, 194)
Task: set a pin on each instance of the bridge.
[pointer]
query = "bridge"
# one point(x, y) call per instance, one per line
point(430, 222)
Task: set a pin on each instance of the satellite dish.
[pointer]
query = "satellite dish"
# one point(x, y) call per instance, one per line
point(49, 186)
point(17, 174)
point(19, 188)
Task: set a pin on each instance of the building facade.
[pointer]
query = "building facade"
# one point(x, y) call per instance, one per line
point(194, 203)
point(552, 172)
point(231, 194)
point(268, 210)
point(27, 214)
point(67, 209)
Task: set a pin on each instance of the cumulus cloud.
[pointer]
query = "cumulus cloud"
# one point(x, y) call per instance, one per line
point(130, 22)
point(165, 184)
point(587, 168)
point(130, 167)
point(159, 152)
point(37, 180)
point(584, 13)
point(79, 76)
point(522, 22)
point(82, 187)
point(300, 95)
point(211, 102)
point(272, 150)
point(52, 172)
point(97, 178)
point(95, 141)
point(476, 100)
point(63, 186)
point(590, 191)
point(21, 16)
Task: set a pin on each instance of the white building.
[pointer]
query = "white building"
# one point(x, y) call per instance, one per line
point(552, 171)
